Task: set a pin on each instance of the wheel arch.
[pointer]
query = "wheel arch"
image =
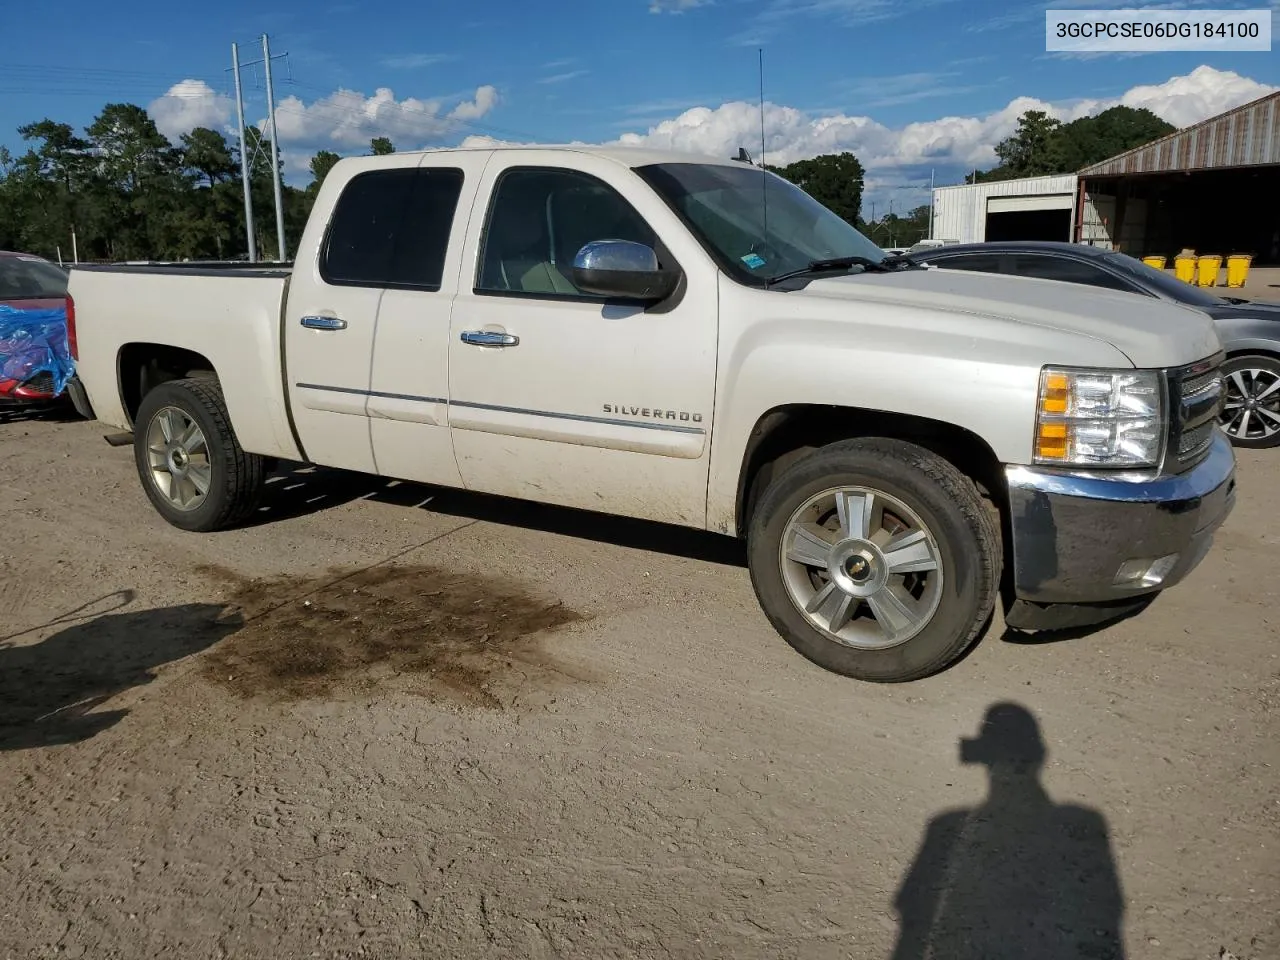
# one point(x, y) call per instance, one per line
point(786, 433)
point(141, 367)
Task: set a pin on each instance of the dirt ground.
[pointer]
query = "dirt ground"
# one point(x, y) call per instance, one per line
point(391, 721)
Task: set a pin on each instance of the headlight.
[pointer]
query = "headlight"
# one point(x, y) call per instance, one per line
point(1100, 418)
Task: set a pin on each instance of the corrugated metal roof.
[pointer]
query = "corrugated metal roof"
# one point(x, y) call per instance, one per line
point(1244, 137)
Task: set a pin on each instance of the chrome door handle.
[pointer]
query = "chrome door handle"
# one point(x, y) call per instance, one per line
point(488, 338)
point(324, 323)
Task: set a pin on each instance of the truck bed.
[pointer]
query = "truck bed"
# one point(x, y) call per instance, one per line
point(228, 313)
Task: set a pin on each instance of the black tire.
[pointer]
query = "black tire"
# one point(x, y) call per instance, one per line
point(949, 505)
point(237, 478)
point(1267, 367)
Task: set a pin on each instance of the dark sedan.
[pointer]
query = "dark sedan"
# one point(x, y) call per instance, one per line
point(1250, 330)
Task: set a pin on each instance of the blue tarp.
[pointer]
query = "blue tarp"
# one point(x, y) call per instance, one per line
point(34, 342)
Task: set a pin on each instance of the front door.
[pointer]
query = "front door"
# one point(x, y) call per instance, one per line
point(559, 396)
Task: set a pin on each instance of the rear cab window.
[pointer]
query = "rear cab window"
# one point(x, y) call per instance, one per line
point(391, 228)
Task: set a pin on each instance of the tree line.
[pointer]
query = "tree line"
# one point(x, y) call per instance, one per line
point(1042, 145)
point(126, 192)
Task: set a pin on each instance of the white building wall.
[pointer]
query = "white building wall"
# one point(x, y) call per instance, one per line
point(960, 212)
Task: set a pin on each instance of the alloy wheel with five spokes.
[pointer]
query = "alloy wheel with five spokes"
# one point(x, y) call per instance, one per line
point(179, 458)
point(862, 567)
point(875, 558)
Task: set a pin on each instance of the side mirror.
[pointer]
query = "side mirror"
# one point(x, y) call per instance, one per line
point(624, 269)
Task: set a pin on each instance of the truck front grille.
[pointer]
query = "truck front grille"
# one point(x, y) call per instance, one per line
point(1196, 396)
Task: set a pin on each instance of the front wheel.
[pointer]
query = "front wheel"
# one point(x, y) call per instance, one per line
point(1251, 416)
point(191, 465)
point(875, 559)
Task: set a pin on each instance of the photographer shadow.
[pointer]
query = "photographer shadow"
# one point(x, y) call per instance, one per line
point(50, 691)
point(1019, 876)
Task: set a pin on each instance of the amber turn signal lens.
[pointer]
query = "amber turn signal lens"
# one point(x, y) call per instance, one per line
point(1051, 441)
point(1053, 396)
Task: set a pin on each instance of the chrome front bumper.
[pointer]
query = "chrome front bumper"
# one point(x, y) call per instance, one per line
point(1079, 541)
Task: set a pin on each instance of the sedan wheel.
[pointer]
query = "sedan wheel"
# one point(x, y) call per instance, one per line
point(1251, 414)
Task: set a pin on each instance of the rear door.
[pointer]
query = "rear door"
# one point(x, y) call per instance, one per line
point(409, 388)
point(331, 313)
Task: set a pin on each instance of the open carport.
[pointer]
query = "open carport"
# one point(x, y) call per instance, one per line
point(1213, 188)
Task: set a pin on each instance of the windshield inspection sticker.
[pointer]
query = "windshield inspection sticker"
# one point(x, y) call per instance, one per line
point(753, 260)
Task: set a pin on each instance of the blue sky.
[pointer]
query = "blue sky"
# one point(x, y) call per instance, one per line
point(908, 85)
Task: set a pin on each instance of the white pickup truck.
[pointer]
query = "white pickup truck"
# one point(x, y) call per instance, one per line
point(696, 342)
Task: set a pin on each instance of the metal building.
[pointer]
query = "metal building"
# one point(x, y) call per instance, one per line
point(1213, 188)
point(1032, 208)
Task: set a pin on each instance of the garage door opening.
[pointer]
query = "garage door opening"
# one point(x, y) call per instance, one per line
point(1029, 225)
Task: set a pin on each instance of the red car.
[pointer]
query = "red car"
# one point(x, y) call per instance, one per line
point(29, 283)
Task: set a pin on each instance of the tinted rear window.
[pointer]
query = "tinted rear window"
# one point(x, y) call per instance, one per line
point(1166, 284)
point(29, 278)
point(390, 228)
point(978, 262)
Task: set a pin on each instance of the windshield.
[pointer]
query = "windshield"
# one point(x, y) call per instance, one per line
point(1168, 285)
point(30, 278)
point(757, 226)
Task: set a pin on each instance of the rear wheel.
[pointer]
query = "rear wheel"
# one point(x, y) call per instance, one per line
point(875, 559)
point(1251, 416)
point(193, 469)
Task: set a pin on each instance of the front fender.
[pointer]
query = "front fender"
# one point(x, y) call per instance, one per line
point(976, 373)
point(1250, 335)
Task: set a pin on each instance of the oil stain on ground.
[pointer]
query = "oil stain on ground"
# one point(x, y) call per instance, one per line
point(451, 636)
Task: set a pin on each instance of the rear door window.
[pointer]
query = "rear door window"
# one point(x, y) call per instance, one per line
point(977, 262)
point(390, 228)
point(1066, 270)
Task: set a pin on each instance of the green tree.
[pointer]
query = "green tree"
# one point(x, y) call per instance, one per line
point(321, 164)
point(833, 179)
point(381, 146)
point(1041, 145)
point(1033, 148)
point(206, 154)
point(892, 230)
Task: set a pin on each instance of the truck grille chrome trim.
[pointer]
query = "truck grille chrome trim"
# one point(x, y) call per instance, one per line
point(1196, 395)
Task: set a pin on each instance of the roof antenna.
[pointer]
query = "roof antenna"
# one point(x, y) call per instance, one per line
point(764, 171)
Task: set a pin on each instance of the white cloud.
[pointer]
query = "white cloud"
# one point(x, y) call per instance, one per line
point(348, 119)
point(563, 77)
point(190, 104)
point(898, 159)
point(791, 134)
point(1182, 101)
point(674, 6)
point(772, 16)
point(416, 61)
point(486, 99)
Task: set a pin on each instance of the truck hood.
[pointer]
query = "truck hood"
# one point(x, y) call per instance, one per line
point(1150, 332)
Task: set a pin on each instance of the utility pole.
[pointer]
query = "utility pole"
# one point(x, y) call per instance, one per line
point(930, 203)
point(244, 157)
point(275, 149)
